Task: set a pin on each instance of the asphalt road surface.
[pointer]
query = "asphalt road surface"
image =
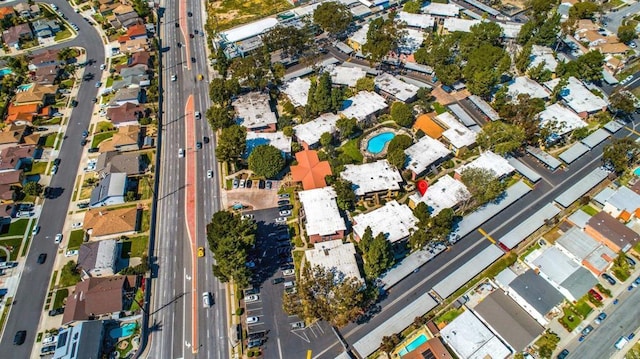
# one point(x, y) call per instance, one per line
point(34, 283)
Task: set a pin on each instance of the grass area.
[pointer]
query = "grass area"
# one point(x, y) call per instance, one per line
point(75, 239)
point(109, 81)
point(350, 148)
point(530, 250)
point(447, 317)
point(146, 219)
point(49, 140)
point(68, 83)
point(119, 60)
point(16, 228)
point(61, 295)
point(13, 245)
point(5, 311)
point(98, 138)
point(134, 247)
point(571, 319)
point(135, 306)
point(144, 187)
point(438, 108)
point(37, 168)
point(230, 13)
point(583, 308)
point(634, 352)
point(629, 70)
point(67, 275)
point(104, 126)
point(589, 210)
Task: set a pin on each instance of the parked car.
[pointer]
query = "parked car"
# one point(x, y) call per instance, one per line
point(587, 330)
point(19, 338)
point(58, 238)
point(269, 185)
point(35, 230)
point(251, 298)
point(277, 280)
point(71, 253)
point(285, 213)
point(242, 183)
point(297, 325)
point(93, 150)
point(48, 349)
point(98, 84)
point(74, 103)
point(42, 258)
point(280, 220)
point(609, 278)
point(283, 202)
point(54, 169)
point(252, 320)
point(54, 312)
point(283, 196)
point(630, 261)
point(595, 294)
point(602, 316)
point(254, 343)
point(288, 272)
point(249, 183)
point(50, 340)
point(637, 281)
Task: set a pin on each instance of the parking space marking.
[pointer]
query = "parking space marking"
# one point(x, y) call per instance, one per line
point(301, 334)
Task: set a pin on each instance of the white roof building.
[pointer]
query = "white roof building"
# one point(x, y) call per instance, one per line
point(578, 97)
point(561, 119)
point(395, 220)
point(544, 54)
point(363, 105)
point(455, 24)
point(524, 85)
point(395, 87)
point(491, 161)
point(321, 210)
point(249, 30)
point(446, 193)
point(372, 177)
point(360, 36)
point(510, 30)
point(456, 133)
point(471, 339)
point(623, 199)
point(411, 42)
point(297, 90)
point(346, 76)
point(254, 111)
point(421, 21)
point(310, 132)
point(275, 139)
point(441, 9)
point(335, 256)
point(424, 153)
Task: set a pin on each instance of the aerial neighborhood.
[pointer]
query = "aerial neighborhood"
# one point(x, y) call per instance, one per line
point(354, 178)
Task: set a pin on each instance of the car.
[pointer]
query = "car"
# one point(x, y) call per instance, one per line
point(269, 185)
point(587, 330)
point(206, 299)
point(48, 349)
point(98, 84)
point(260, 184)
point(283, 202)
point(200, 77)
point(277, 280)
point(199, 145)
point(84, 142)
point(193, 59)
point(200, 252)
point(563, 354)
point(247, 216)
point(637, 281)
point(198, 115)
point(83, 205)
point(191, 36)
point(252, 320)
point(250, 264)
point(58, 238)
point(297, 325)
point(236, 183)
point(54, 7)
point(189, 14)
point(205, 139)
point(35, 230)
point(93, 150)
point(181, 153)
point(602, 316)
point(242, 183)
point(54, 169)
point(40, 129)
point(630, 261)
point(74, 103)
point(285, 213)
point(103, 66)
point(630, 288)
point(634, 284)
point(209, 174)
point(609, 278)
point(288, 272)
point(251, 298)
point(254, 343)
point(283, 196)
point(50, 340)
point(581, 338)
point(177, 24)
point(42, 258)
point(249, 183)
point(19, 338)
point(280, 220)
point(595, 294)
point(71, 253)
point(631, 336)
point(632, 45)
point(56, 311)
point(75, 27)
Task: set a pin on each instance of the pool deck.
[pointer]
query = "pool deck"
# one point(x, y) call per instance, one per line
point(382, 129)
point(409, 339)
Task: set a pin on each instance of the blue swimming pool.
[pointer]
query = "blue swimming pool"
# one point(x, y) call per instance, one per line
point(24, 87)
point(5, 71)
point(123, 331)
point(637, 171)
point(421, 339)
point(376, 143)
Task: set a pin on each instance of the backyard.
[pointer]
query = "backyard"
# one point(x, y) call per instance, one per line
point(12, 245)
point(37, 168)
point(134, 247)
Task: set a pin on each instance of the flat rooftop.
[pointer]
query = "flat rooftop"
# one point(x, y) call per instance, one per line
point(425, 153)
point(395, 220)
point(249, 30)
point(471, 339)
point(335, 256)
point(491, 161)
point(445, 193)
point(523, 85)
point(254, 111)
point(578, 97)
point(372, 177)
point(346, 76)
point(560, 119)
point(275, 139)
point(297, 90)
point(321, 210)
point(310, 132)
point(422, 21)
point(363, 105)
point(395, 87)
point(456, 133)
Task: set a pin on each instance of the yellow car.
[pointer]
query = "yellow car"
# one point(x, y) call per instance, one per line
point(200, 251)
point(200, 77)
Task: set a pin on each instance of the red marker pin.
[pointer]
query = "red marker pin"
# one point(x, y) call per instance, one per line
point(422, 186)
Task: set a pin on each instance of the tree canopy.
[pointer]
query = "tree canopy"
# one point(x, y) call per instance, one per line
point(402, 114)
point(620, 153)
point(323, 97)
point(377, 253)
point(333, 17)
point(266, 160)
point(622, 101)
point(231, 143)
point(500, 137)
point(219, 117)
point(627, 33)
point(412, 7)
point(347, 126)
point(365, 84)
point(583, 10)
point(291, 40)
point(482, 183)
point(587, 67)
point(33, 188)
point(346, 198)
point(523, 113)
point(383, 37)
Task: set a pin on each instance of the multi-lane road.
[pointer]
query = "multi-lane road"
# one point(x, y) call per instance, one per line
point(34, 282)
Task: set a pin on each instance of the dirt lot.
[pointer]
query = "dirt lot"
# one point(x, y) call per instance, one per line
point(253, 198)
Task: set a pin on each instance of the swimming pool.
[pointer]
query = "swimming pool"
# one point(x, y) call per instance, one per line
point(24, 87)
point(5, 71)
point(376, 144)
point(637, 171)
point(123, 331)
point(421, 339)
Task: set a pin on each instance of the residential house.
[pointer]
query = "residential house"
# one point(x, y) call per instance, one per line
point(560, 120)
point(11, 135)
point(124, 16)
point(46, 75)
point(124, 95)
point(610, 232)
point(424, 155)
point(8, 12)
point(451, 24)
point(297, 91)
point(14, 35)
point(22, 114)
point(134, 32)
point(309, 133)
point(458, 136)
point(126, 114)
point(445, 193)
point(543, 54)
point(359, 38)
point(374, 179)
point(310, 171)
point(490, 161)
point(441, 10)
point(9, 182)
point(98, 259)
point(100, 223)
point(106, 7)
point(584, 249)
point(396, 221)
point(129, 163)
point(141, 58)
point(134, 46)
point(135, 76)
point(578, 97)
point(253, 111)
point(36, 94)
point(395, 88)
point(337, 257)
point(126, 139)
point(347, 76)
point(469, 337)
point(100, 296)
point(623, 204)
point(275, 139)
point(16, 157)
point(27, 11)
point(45, 28)
point(363, 106)
point(419, 21)
point(83, 340)
point(44, 58)
point(428, 126)
point(525, 86)
point(323, 221)
point(110, 190)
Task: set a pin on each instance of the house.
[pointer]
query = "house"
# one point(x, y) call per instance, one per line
point(253, 111)
point(134, 46)
point(560, 120)
point(101, 223)
point(428, 126)
point(337, 257)
point(310, 170)
point(22, 114)
point(610, 232)
point(490, 161)
point(140, 59)
point(27, 11)
point(543, 54)
point(127, 138)
point(275, 139)
point(441, 10)
point(46, 75)
point(99, 296)
point(373, 179)
point(445, 193)
point(297, 91)
point(458, 136)
point(124, 95)
point(44, 58)
point(134, 70)
point(578, 97)
point(359, 38)
point(454, 24)
point(36, 94)
point(469, 338)
point(432, 348)
point(134, 32)
point(12, 135)
point(126, 114)
point(125, 16)
point(8, 12)
point(395, 88)
point(363, 106)
point(346, 76)
point(420, 21)
point(109, 191)
point(98, 259)
point(15, 157)
point(45, 28)
point(584, 249)
point(309, 133)
point(106, 7)
point(323, 221)
point(424, 154)
point(525, 86)
point(14, 35)
point(83, 340)
point(114, 162)
point(131, 81)
point(396, 221)
point(9, 182)
point(623, 204)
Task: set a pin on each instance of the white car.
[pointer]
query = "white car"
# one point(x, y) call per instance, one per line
point(75, 27)
point(280, 220)
point(285, 213)
point(181, 153)
point(251, 298)
point(54, 169)
point(209, 174)
point(174, 78)
point(206, 299)
point(58, 238)
point(71, 253)
point(297, 325)
point(76, 225)
point(198, 115)
point(288, 272)
point(50, 340)
point(54, 7)
point(35, 230)
point(252, 320)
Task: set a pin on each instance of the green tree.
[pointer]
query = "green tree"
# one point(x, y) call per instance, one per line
point(422, 213)
point(365, 240)
point(288, 131)
point(333, 17)
point(291, 40)
point(401, 142)
point(221, 90)
point(320, 95)
point(412, 7)
point(482, 183)
point(222, 62)
point(622, 101)
point(251, 71)
point(66, 54)
point(620, 153)
point(396, 158)
point(141, 7)
point(389, 343)
point(441, 224)
point(524, 58)
point(583, 10)
point(346, 198)
point(419, 239)
point(500, 137)
point(539, 74)
point(33, 188)
point(326, 139)
point(484, 67)
point(627, 33)
point(557, 89)
point(232, 143)
point(587, 67)
point(523, 113)
point(402, 114)
point(378, 256)
point(266, 160)
point(365, 84)
point(547, 344)
point(219, 117)
point(383, 37)
point(347, 126)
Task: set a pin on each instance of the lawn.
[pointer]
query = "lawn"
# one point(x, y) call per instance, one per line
point(448, 316)
point(583, 308)
point(120, 60)
point(16, 228)
point(136, 247)
point(350, 148)
point(61, 295)
point(67, 276)
point(50, 139)
point(571, 319)
point(14, 245)
point(37, 168)
point(529, 250)
point(144, 187)
point(230, 13)
point(98, 138)
point(589, 210)
point(146, 219)
point(138, 299)
point(438, 108)
point(75, 239)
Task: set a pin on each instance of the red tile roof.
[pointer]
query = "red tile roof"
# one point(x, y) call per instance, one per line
point(310, 171)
